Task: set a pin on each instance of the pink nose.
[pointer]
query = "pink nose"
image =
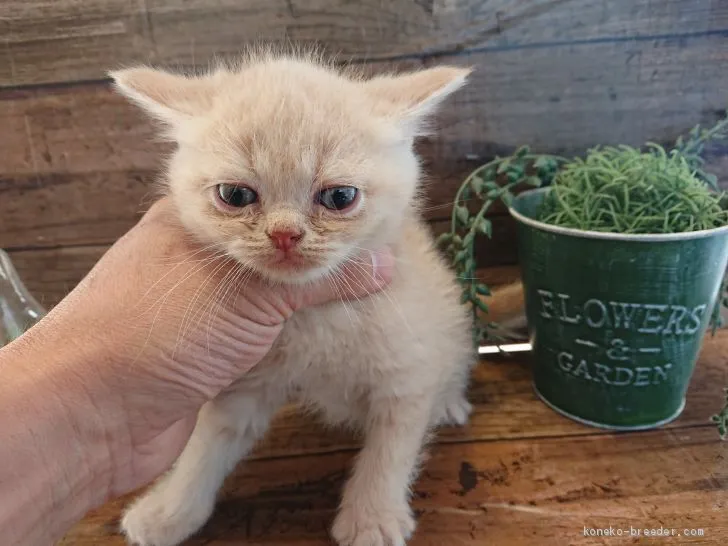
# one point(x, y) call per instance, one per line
point(285, 239)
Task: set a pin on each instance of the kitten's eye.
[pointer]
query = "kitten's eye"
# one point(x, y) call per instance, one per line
point(236, 196)
point(338, 197)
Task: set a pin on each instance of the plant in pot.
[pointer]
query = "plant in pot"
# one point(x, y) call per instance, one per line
point(623, 254)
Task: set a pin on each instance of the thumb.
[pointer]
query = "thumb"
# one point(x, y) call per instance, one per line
point(357, 278)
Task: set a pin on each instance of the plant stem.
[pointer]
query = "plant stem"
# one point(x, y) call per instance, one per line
point(705, 137)
point(494, 162)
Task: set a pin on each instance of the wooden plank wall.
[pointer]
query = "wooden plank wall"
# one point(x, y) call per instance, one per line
point(77, 163)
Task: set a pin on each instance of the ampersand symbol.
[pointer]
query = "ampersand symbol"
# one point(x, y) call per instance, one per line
point(618, 350)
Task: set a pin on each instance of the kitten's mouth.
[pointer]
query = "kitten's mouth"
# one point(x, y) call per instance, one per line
point(289, 261)
point(292, 266)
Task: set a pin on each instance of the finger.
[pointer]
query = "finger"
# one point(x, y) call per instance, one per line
point(356, 279)
point(161, 210)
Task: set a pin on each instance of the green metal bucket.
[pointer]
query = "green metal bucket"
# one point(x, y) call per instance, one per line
point(616, 321)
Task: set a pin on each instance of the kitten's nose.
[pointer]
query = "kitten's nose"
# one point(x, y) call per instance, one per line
point(285, 239)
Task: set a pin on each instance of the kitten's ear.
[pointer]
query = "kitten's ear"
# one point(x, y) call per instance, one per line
point(414, 96)
point(168, 97)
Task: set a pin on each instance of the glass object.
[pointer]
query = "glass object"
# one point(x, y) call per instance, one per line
point(18, 309)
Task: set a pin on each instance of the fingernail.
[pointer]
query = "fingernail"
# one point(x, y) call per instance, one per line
point(375, 264)
point(382, 262)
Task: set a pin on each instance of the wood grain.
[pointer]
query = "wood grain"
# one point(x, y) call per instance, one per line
point(78, 166)
point(77, 163)
point(67, 40)
point(50, 273)
point(501, 391)
point(539, 491)
point(506, 408)
point(518, 474)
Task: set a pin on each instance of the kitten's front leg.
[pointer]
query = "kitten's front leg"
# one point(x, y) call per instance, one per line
point(375, 505)
point(182, 501)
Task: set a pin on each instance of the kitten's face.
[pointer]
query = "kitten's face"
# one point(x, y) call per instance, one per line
point(289, 167)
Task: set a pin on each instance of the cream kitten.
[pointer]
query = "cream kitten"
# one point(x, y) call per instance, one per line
point(294, 166)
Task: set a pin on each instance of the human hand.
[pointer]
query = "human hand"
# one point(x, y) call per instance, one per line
point(159, 327)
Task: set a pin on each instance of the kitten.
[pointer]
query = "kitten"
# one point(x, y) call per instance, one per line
point(294, 165)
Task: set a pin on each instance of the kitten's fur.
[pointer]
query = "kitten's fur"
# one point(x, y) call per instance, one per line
point(395, 364)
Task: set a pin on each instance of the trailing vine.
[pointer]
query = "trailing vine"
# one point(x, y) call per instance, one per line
point(721, 419)
point(492, 182)
point(501, 177)
point(692, 148)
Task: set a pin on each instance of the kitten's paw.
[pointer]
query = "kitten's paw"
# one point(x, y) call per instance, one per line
point(455, 411)
point(361, 525)
point(156, 520)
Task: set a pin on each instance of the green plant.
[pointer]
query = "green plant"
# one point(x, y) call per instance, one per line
point(625, 190)
point(498, 179)
point(692, 148)
point(721, 419)
point(486, 185)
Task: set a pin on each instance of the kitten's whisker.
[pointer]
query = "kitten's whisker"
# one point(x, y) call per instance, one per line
point(188, 309)
point(334, 284)
point(201, 308)
point(190, 261)
point(192, 252)
point(345, 281)
point(449, 204)
point(191, 311)
point(195, 253)
point(213, 301)
point(390, 297)
point(202, 261)
point(243, 283)
point(363, 331)
point(239, 271)
point(219, 299)
point(368, 250)
point(161, 302)
point(163, 298)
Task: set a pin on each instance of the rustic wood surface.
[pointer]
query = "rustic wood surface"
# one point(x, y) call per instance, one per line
point(78, 166)
point(77, 162)
point(518, 474)
point(68, 40)
point(50, 273)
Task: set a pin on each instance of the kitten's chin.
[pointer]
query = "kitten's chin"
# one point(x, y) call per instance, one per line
point(286, 273)
point(291, 268)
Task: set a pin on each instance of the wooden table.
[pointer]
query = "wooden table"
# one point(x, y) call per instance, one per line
point(77, 164)
point(517, 474)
